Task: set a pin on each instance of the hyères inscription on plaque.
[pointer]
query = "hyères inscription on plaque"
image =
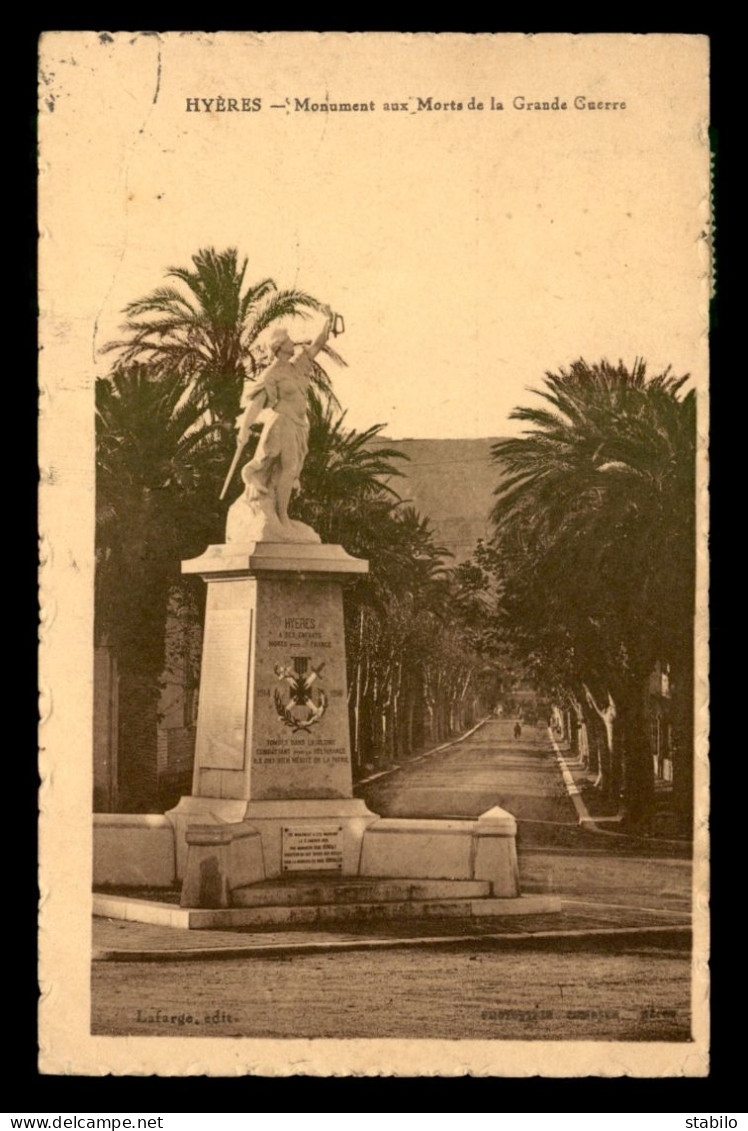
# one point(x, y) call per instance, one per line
point(223, 689)
point(300, 744)
point(312, 848)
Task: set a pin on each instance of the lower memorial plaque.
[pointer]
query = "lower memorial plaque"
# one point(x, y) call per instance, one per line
point(312, 848)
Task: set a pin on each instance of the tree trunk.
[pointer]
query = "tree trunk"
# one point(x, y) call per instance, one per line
point(592, 743)
point(603, 766)
point(410, 721)
point(573, 734)
point(638, 776)
point(608, 779)
point(138, 737)
point(682, 740)
point(580, 741)
point(359, 691)
point(428, 699)
point(395, 708)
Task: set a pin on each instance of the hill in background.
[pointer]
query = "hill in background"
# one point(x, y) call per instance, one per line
point(452, 483)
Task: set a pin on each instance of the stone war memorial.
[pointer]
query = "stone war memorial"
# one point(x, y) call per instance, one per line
point(272, 833)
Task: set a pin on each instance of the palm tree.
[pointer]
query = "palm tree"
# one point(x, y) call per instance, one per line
point(157, 463)
point(596, 523)
point(391, 626)
point(206, 330)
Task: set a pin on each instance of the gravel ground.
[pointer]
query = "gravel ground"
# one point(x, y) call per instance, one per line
point(634, 996)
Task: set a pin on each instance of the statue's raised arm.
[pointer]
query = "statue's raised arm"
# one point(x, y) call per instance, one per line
point(321, 340)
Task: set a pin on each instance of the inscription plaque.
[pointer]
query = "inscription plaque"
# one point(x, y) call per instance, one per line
point(222, 719)
point(299, 746)
point(312, 848)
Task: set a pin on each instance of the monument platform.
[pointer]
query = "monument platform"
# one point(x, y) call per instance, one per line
point(321, 902)
point(271, 834)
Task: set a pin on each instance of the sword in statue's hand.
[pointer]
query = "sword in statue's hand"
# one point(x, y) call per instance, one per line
point(240, 446)
point(248, 417)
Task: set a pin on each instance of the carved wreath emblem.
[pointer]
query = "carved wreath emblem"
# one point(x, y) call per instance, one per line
point(306, 703)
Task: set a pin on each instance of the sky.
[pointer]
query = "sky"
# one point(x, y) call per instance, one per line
point(468, 251)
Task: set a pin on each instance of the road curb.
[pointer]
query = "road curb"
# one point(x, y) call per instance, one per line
point(599, 936)
point(590, 823)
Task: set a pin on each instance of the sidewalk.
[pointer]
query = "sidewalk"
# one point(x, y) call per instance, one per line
point(593, 814)
point(581, 923)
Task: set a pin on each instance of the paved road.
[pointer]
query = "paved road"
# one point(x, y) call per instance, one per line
point(491, 767)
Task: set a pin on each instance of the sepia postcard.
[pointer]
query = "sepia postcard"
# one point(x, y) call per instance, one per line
point(374, 379)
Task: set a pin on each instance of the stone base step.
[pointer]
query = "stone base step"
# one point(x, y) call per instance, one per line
point(358, 914)
point(344, 890)
point(355, 915)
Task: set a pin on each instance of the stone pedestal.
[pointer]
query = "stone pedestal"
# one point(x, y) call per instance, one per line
point(273, 741)
point(222, 857)
point(272, 832)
